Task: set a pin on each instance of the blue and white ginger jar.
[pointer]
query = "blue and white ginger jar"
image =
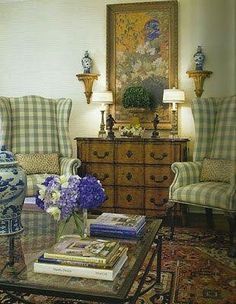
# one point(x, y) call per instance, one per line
point(86, 63)
point(199, 59)
point(12, 193)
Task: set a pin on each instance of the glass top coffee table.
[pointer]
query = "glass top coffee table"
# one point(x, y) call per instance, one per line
point(40, 233)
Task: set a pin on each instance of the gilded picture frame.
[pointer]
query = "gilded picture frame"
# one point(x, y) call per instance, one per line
point(142, 49)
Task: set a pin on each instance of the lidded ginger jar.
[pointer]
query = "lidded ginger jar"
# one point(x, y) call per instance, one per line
point(12, 193)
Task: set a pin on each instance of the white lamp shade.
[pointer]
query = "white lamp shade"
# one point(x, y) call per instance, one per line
point(173, 96)
point(102, 97)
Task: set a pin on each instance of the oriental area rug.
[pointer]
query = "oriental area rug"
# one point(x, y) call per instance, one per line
point(195, 270)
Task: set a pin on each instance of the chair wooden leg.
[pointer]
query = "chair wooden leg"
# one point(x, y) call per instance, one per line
point(184, 215)
point(171, 215)
point(232, 232)
point(209, 218)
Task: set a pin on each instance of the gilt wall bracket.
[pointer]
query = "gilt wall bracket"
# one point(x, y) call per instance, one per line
point(199, 78)
point(88, 79)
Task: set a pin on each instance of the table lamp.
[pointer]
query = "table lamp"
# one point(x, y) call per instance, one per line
point(104, 98)
point(174, 96)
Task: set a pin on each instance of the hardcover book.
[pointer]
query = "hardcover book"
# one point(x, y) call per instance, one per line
point(84, 250)
point(118, 233)
point(116, 221)
point(121, 250)
point(82, 272)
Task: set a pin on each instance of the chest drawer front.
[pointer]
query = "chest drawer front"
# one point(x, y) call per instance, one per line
point(158, 154)
point(129, 175)
point(131, 198)
point(100, 152)
point(103, 172)
point(156, 198)
point(158, 176)
point(129, 153)
point(130, 211)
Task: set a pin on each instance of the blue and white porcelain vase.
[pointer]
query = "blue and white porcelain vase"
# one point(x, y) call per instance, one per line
point(86, 63)
point(12, 193)
point(199, 59)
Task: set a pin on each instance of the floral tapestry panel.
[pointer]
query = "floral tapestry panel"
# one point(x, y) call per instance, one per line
point(142, 51)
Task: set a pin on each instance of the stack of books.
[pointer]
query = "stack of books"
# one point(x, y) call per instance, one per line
point(85, 258)
point(118, 225)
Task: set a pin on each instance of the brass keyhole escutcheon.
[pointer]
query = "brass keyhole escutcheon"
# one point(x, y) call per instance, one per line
point(129, 153)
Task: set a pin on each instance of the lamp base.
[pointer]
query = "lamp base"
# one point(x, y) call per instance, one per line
point(173, 134)
point(174, 130)
point(102, 133)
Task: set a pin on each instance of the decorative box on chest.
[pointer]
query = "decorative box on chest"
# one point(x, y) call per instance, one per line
point(135, 173)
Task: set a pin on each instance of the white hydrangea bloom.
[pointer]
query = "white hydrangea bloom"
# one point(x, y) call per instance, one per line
point(55, 212)
point(64, 181)
point(42, 191)
point(55, 196)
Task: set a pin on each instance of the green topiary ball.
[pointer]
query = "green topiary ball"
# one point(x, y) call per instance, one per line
point(137, 97)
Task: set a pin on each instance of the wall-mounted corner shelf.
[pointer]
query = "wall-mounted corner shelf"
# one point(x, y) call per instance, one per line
point(88, 79)
point(199, 77)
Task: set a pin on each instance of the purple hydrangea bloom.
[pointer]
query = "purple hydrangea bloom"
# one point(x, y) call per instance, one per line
point(91, 193)
point(48, 180)
point(70, 196)
point(39, 202)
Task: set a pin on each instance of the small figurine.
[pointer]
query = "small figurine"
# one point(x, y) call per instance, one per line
point(199, 59)
point(86, 62)
point(155, 121)
point(110, 121)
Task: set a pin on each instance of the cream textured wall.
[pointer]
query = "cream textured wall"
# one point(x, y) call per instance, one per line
point(42, 43)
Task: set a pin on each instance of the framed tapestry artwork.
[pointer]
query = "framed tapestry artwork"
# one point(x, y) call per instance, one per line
point(142, 50)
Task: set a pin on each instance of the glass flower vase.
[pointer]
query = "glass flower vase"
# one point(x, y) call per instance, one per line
point(81, 223)
point(76, 224)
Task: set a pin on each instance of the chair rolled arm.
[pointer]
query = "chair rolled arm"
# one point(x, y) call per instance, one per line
point(185, 173)
point(232, 188)
point(69, 166)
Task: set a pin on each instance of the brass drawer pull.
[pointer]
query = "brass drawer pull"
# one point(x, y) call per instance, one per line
point(161, 180)
point(129, 198)
point(129, 153)
point(100, 156)
point(101, 178)
point(161, 157)
point(129, 176)
point(154, 202)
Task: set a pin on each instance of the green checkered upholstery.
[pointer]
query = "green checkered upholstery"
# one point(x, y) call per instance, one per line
point(34, 124)
point(63, 114)
point(185, 173)
point(215, 128)
point(5, 122)
point(204, 115)
point(206, 194)
point(32, 181)
point(224, 143)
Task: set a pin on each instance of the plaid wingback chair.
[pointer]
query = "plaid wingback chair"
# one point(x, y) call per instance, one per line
point(209, 181)
point(36, 125)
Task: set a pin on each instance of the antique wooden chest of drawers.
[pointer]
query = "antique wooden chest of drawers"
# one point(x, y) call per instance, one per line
point(135, 173)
